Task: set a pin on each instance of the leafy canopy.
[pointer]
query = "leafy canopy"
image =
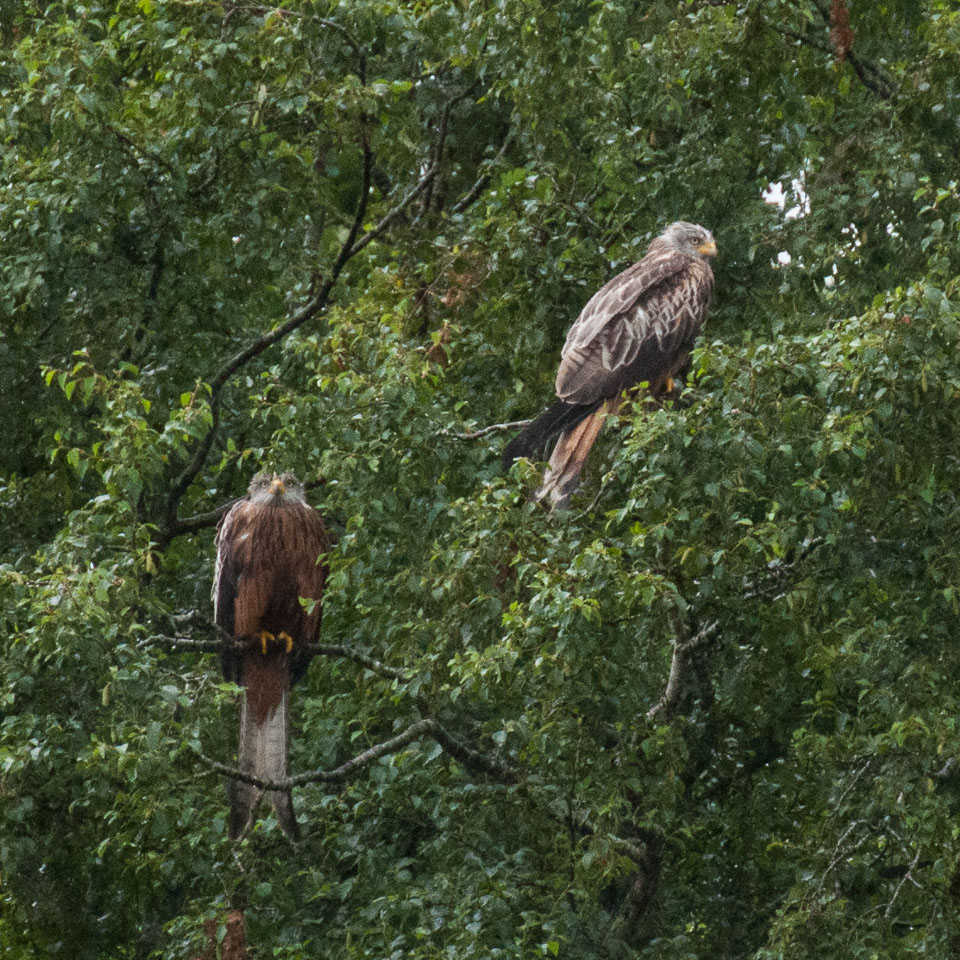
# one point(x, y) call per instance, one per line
point(709, 712)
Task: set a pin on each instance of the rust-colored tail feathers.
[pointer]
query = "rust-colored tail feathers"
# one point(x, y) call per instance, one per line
point(532, 440)
point(263, 742)
point(570, 454)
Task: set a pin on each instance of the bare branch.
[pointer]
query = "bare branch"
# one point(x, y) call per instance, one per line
point(377, 666)
point(907, 876)
point(377, 230)
point(437, 158)
point(483, 431)
point(469, 758)
point(681, 653)
point(322, 649)
point(483, 181)
point(346, 250)
point(200, 521)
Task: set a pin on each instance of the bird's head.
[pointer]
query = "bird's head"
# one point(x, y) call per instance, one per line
point(275, 488)
point(690, 238)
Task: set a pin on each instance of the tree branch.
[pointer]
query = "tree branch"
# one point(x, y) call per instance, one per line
point(200, 521)
point(466, 756)
point(284, 12)
point(483, 181)
point(907, 876)
point(484, 431)
point(349, 248)
point(189, 645)
point(880, 83)
point(392, 215)
point(678, 664)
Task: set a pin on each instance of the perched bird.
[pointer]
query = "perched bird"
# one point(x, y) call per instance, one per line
point(638, 328)
point(270, 553)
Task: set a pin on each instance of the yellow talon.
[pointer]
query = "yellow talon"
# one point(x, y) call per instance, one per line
point(265, 638)
point(287, 639)
point(669, 384)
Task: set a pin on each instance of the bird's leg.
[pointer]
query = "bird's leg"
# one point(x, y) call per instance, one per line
point(266, 637)
point(287, 639)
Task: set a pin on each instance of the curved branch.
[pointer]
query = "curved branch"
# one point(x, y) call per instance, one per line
point(468, 757)
point(483, 431)
point(200, 521)
point(309, 310)
point(678, 663)
point(482, 181)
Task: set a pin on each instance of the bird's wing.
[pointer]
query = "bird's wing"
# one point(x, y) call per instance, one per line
point(242, 583)
point(632, 329)
point(308, 550)
point(225, 577)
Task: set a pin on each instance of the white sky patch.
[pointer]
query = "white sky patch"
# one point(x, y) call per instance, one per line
point(773, 195)
point(851, 230)
point(797, 197)
point(793, 203)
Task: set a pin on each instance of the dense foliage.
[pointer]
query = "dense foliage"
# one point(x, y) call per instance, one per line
point(708, 712)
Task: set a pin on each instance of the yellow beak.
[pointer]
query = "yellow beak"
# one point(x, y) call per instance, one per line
point(277, 487)
point(708, 249)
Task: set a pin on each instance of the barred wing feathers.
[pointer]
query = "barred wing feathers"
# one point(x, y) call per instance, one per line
point(636, 328)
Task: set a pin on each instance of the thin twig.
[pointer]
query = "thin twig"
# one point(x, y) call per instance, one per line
point(896, 893)
point(483, 181)
point(484, 431)
point(437, 158)
point(843, 853)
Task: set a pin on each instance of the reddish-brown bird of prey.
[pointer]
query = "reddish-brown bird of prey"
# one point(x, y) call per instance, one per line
point(270, 552)
point(638, 328)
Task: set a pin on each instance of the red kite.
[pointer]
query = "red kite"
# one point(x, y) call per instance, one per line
point(638, 328)
point(270, 553)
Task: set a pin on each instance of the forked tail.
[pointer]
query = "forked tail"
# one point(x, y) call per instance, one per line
point(532, 440)
point(261, 752)
point(570, 454)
